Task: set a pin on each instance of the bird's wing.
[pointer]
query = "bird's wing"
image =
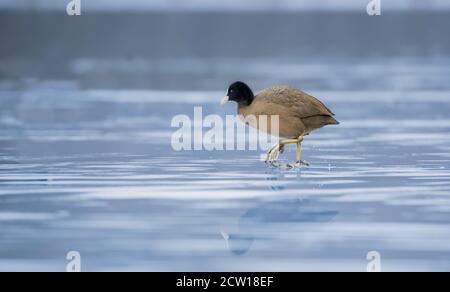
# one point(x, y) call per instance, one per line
point(297, 101)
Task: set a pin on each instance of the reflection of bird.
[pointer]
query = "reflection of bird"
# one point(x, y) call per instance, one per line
point(288, 211)
point(237, 243)
point(298, 114)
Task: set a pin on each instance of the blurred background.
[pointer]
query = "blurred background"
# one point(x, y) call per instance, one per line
point(199, 44)
point(86, 163)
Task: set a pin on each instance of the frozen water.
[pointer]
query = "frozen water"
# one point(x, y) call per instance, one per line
point(86, 162)
point(94, 171)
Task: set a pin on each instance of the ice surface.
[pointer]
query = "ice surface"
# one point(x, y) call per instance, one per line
point(94, 171)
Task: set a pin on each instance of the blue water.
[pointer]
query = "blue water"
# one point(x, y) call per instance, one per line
point(93, 171)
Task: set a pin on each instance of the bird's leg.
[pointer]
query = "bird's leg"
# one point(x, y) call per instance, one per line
point(274, 152)
point(299, 148)
point(299, 152)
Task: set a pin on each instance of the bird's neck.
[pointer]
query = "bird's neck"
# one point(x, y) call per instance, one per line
point(243, 109)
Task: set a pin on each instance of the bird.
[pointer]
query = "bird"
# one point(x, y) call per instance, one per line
point(297, 112)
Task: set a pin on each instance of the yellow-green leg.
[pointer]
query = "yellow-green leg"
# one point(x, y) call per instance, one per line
point(274, 152)
point(299, 152)
point(299, 148)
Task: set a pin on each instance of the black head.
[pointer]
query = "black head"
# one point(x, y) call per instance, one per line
point(240, 93)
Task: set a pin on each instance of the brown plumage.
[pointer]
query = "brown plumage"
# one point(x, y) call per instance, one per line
point(299, 113)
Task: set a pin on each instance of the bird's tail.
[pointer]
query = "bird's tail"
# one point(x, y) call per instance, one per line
point(333, 121)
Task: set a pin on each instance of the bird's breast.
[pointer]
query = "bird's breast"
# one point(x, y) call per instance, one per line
point(261, 121)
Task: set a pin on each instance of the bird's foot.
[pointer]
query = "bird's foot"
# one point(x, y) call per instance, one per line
point(289, 166)
point(274, 153)
point(301, 163)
